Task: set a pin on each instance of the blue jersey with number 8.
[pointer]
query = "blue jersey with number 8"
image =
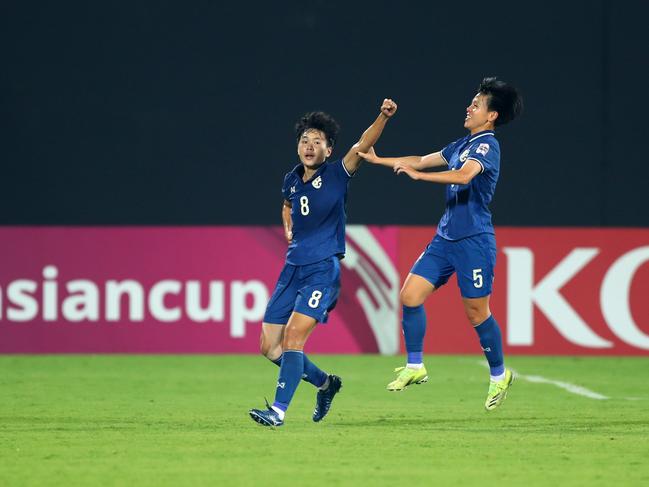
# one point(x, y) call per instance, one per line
point(317, 212)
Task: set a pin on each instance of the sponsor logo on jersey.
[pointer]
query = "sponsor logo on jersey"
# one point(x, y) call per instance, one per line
point(292, 189)
point(482, 149)
point(317, 182)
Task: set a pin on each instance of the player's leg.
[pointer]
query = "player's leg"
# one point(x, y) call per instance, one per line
point(475, 258)
point(479, 315)
point(313, 303)
point(413, 294)
point(317, 298)
point(296, 332)
point(270, 341)
point(431, 271)
point(279, 309)
point(270, 344)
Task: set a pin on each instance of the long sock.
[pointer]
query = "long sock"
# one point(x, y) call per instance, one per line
point(312, 374)
point(492, 345)
point(290, 374)
point(414, 329)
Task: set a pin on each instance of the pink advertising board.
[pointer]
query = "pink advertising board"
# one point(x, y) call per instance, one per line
point(204, 290)
point(557, 291)
point(178, 290)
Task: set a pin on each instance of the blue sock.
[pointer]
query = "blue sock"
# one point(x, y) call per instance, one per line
point(312, 374)
point(414, 329)
point(492, 345)
point(290, 374)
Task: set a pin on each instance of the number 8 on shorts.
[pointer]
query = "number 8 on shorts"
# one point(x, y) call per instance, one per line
point(314, 300)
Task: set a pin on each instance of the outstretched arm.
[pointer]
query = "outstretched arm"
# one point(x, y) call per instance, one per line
point(434, 159)
point(287, 221)
point(470, 169)
point(352, 159)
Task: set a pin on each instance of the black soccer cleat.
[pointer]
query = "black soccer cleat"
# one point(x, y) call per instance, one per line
point(266, 417)
point(326, 397)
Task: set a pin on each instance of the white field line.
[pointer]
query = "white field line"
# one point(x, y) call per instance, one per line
point(567, 386)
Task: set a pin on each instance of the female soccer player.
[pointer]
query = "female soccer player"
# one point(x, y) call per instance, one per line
point(313, 214)
point(465, 241)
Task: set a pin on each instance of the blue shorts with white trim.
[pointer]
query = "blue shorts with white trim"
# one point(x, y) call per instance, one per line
point(472, 258)
point(310, 289)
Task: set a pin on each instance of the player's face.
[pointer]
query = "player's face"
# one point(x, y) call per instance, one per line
point(313, 148)
point(478, 116)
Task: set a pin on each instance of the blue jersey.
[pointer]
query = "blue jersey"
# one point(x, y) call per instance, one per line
point(317, 212)
point(467, 205)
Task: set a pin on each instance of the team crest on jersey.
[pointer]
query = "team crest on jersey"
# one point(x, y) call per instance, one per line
point(317, 182)
point(464, 155)
point(483, 149)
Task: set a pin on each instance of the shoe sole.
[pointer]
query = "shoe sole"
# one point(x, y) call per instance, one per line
point(511, 383)
point(420, 381)
point(262, 421)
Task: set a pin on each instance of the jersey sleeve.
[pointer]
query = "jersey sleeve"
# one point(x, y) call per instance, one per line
point(447, 152)
point(487, 154)
point(286, 187)
point(339, 169)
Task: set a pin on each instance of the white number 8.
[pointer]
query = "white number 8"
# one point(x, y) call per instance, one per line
point(315, 299)
point(304, 206)
point(477, 278)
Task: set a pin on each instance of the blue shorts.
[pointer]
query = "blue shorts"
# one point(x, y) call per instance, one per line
point(310, 289)
point(473, 258)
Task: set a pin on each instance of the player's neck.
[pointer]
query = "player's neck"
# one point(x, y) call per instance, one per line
point(482, 128)
point(309, 172)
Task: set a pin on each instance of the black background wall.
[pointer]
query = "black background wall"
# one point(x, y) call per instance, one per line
point(183, 112)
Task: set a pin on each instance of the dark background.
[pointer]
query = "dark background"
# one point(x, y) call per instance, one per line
point(183, 112)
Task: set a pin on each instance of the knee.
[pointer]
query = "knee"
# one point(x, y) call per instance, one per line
point(476, 314)
point(269, 350)
point(411, 298)
point(293, 340)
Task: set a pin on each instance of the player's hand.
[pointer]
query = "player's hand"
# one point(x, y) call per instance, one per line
point(369, 156)
point(388, 108)
point(401, 168)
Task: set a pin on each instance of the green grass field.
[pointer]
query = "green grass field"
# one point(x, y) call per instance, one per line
point(182, 420)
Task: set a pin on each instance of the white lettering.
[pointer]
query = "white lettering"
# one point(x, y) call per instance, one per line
point(50, 294)
point(19, 293)
point(214, 309)
point(114, 291)
point(83, 302)
point(614, 297)
point(522, 295)
point(239, 312)
point(156, 300)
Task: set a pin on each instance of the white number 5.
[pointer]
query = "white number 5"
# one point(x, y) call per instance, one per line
point(477, 278)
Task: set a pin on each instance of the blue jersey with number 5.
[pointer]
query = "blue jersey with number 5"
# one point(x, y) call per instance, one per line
point(317, 212)
point(467, 205)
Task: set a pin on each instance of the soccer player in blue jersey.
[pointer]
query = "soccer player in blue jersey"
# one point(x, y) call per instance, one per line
point(315, 192)
point(465, 241)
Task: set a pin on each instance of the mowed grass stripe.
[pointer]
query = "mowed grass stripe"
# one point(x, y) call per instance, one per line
point(182, 420)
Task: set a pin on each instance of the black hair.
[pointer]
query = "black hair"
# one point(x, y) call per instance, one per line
point(318, 121)
point(503, 98)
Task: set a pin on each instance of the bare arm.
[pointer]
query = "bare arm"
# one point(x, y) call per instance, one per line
point(434, 159)
point(470, 169)
point(352, 159)
point(287, 221)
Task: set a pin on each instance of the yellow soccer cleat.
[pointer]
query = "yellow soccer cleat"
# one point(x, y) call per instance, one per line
point(407, 376)
point(498, 391)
